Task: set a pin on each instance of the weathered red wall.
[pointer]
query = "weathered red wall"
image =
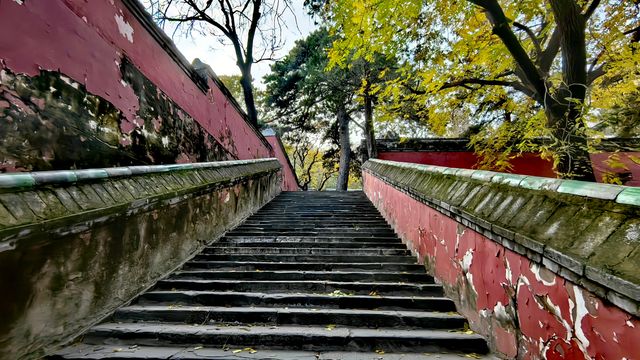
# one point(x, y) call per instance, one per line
point(556, 319)
point(602, 165)
point(88, 40)
point(527, 164)
point(289, 182)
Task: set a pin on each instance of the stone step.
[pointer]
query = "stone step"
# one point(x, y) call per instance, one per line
point(313, 217)
point(332, 223)
point(301, 266)
point(104, 352)
point(367, 276)
point(320, 232)
point(211, 315)
point(369, 302)
point(297, 239)
point(285, 337)
point(306, 286)
point(319, 209)
point(320, 204)
point(309, 276)
point(303, 251)
point(312, 227)
point(307, 258)
point(310, 214)
point(310, 244)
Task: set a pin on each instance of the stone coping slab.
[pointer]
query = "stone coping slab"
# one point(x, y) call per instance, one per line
point(588, 233)
point(54, 201)
point(17, 181)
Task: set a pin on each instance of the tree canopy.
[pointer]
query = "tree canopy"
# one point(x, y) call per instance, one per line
point(519, 70)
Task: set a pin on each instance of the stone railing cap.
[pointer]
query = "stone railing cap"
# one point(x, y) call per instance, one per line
point(626, 195)
point(28, 180)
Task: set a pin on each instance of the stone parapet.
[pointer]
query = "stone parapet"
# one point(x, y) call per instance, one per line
point(587, 233)
point(75, 245)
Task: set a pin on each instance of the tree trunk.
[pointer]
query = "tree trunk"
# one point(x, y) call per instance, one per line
point(345, 150)
point(249, 100)
point(369, 134)
point(564, 115)
point(570, 146)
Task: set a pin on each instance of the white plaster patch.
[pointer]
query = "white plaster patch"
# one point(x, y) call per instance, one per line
point(148, 134)
point(19, 2)
point(501, 312)
point(124, 83)
point(124, 27)
point(535, 269)
point(165, 141)
point(84, 18)
point(558, 314)
point(467, 259)
point(69, 82)
point(508, 273)
point(581, 312)
point(226, 198)
point(4, 78)
point(105, 129)
point(633, 233)
point(629, 324)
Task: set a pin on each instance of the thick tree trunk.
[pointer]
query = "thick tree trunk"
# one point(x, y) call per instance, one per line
point(369, 133)
point(564, 116)
point(345, 150)
point(570, 146)
point(249, 99)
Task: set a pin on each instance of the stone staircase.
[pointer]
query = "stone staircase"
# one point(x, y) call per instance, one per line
point(309, 276)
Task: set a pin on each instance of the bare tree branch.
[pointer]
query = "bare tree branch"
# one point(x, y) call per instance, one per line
point(532, 36)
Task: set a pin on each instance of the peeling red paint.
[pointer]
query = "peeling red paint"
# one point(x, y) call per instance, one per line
point(525, 310)
point(82, 40)
point(87, 42)
point(289, 182)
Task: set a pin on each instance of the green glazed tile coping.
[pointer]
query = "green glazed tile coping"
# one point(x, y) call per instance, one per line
point(592, 190)
point(629, 196)
point(465, 172)
point(52, 177)
point(91, 174)
point(16, 181)
point(58, 177)
point(118, 172)
point(509, 179)
point(483, 175)
point(621, 194)
point(540, 183)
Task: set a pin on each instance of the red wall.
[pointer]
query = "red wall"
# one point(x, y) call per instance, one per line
point(527, 164)
point(87, 41)
point(556, 319)
point(289, 182)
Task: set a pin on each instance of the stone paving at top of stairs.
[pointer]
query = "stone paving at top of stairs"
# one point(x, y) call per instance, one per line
point(312, 275)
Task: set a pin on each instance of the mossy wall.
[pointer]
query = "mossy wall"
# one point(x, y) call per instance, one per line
point(544, 268)
point(75, 245)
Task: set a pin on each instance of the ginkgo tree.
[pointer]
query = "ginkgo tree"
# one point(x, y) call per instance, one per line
point(526, 70)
